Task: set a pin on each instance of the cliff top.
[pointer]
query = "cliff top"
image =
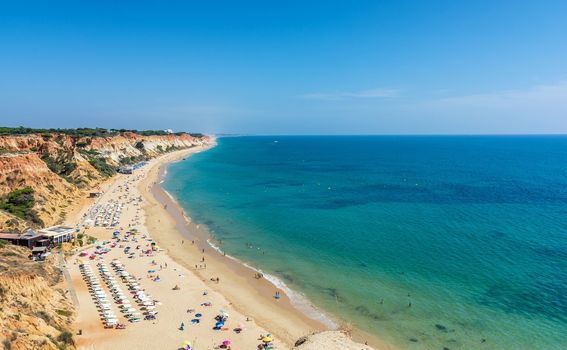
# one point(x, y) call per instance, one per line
point(88, 132)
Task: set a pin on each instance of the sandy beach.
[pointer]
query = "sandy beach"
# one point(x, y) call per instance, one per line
point(185, 276)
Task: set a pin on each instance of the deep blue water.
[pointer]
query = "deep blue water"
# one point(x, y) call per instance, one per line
point(472, 231)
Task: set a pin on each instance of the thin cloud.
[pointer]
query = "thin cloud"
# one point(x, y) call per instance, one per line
point(333, 96)
point(549, 95)
point(539, 109)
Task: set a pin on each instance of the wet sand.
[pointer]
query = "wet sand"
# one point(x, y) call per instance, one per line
point(253, 296)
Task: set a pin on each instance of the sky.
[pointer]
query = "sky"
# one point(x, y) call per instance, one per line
point(286, 67)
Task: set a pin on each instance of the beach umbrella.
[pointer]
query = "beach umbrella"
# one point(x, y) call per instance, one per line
point(226, 342)
point(267, 339)
point(186, 345)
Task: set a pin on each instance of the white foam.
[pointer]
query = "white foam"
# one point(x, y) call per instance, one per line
point(298, 300)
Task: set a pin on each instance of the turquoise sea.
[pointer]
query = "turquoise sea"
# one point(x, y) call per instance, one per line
point(471, 230)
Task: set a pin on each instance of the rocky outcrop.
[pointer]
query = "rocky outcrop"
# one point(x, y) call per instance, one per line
point(60, 167)
point(35, 313)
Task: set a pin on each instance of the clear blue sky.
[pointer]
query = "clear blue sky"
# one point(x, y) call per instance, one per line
point(286, 67)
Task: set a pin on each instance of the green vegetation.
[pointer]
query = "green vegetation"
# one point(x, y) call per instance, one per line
point(48, 133)
point(3, 243)
point(132, 160)
point(150, 132)
point(9, 254)
point(102, 166)
point(140, 145)
point(66, 338)
point(82, 132)
point(89, 152)
point(65, 313)
point(20, 203)
point(172, 148)
point(59, 166)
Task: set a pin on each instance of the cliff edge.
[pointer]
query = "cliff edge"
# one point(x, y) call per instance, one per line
point(57, 168)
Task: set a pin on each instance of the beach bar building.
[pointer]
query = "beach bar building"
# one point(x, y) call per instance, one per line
point(29, 239)
point(58, 234)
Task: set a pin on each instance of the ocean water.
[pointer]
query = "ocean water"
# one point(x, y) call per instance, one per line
point(472, 231)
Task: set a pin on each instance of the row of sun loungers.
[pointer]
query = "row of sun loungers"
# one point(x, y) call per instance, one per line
point(144, 300)
point(99, 296)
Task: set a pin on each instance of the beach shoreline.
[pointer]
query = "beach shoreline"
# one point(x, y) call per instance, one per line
point(301, 320)
point(231, 284)
point(253, 297)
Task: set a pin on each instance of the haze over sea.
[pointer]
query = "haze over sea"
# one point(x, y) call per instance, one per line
point(471, 230)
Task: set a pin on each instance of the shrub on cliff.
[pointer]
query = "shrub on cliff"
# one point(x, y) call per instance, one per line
point(132, 159)
point(62, 165)
point(20, 203)
point(140, 146)
point(102, 166)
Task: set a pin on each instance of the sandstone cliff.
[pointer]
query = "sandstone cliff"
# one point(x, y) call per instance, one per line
point(61, 167)
point(34, 313)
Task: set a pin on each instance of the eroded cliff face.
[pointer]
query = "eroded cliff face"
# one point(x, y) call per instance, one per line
point(60, 168)
point(35, 312)
point(53, 194)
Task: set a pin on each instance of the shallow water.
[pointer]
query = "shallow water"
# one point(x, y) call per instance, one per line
point(472, 231)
